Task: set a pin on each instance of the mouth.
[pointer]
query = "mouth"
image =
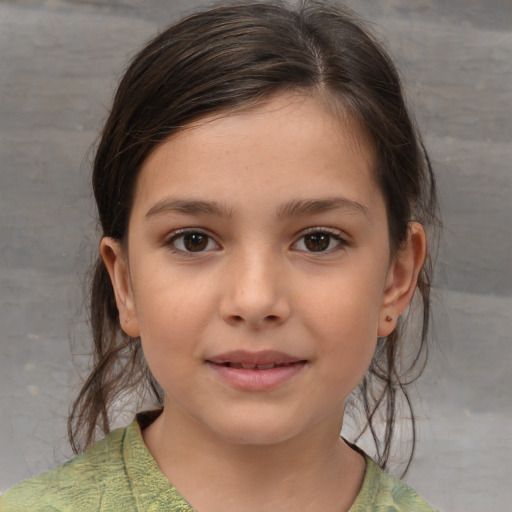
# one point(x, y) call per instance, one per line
point(256, 371)
point(249, 366)
point(265, 360)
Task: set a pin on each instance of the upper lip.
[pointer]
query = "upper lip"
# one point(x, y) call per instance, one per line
point(254, 358)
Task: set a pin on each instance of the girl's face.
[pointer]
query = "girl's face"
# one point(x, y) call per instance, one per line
point(258, 271)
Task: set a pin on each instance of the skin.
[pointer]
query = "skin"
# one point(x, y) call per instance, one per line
point(259, 283)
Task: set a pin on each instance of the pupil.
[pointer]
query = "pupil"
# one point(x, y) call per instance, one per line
point(317, 241)
point(195, 242)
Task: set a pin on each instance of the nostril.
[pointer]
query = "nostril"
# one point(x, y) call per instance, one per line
point(240, 319)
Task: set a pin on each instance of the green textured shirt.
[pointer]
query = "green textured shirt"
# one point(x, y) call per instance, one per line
point(119, 474)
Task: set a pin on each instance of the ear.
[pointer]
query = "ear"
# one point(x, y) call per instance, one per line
point(402, 278)
point(117, 265)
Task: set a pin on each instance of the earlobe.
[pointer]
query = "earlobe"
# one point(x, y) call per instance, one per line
point(117, 266)
point(402, 279)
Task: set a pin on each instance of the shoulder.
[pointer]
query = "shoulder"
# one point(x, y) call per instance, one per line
point(75, 485)
point(381, 491)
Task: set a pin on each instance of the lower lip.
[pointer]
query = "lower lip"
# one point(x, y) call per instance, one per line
point(257, 380)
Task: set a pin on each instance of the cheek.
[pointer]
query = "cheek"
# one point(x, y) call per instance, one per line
point(343, 319)
point(349, 348)
point(172, 313)
point(164, 295)
point(347, 304)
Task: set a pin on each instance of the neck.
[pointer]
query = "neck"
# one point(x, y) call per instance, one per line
point(313, 471)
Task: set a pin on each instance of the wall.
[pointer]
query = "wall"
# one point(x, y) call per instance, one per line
point(60, 62)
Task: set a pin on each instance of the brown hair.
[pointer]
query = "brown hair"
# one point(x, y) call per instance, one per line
point(231, 57)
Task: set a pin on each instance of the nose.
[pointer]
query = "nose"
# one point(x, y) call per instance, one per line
point(255, 291)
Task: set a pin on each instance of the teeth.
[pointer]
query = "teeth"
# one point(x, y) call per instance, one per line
point(265, 366)
point(250, 366)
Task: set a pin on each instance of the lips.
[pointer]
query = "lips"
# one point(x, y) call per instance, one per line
point(264, 360)
point(256, 371)
point(248, 366)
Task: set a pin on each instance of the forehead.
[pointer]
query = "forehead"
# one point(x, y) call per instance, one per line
point(316, 110)
point(289, 144)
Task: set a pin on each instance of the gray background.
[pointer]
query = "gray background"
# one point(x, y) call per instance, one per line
point(59, 63)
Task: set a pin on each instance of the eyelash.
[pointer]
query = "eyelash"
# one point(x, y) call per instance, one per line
point(182, 233)
point(330, 233)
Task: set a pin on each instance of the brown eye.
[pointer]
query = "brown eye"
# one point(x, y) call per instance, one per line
point(321, 241)
point(195, 242)
point(192, 241)
point(317, 242)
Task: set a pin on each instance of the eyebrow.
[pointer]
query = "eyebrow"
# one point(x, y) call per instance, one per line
point(297, 207)
point(188, 207)
point(312, 206)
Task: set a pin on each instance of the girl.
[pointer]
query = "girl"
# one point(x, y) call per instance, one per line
point(263, 196)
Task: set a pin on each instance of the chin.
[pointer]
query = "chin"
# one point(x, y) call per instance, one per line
point(257, 436)
point(257, 430)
